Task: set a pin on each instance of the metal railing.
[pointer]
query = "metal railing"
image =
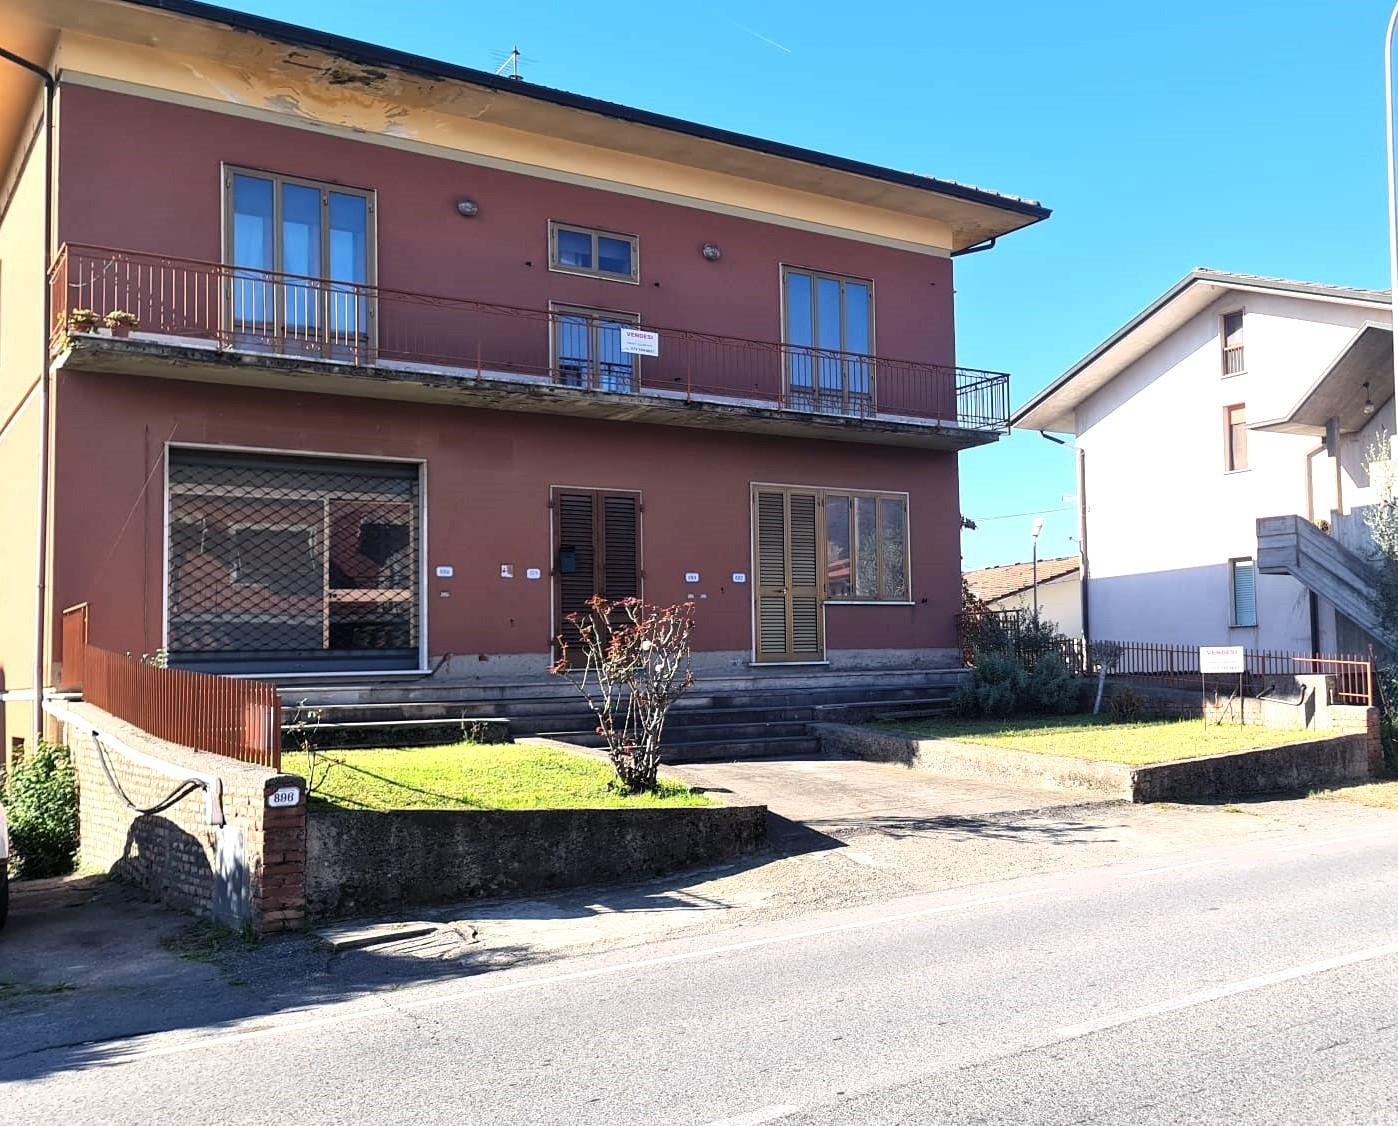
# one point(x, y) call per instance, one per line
point(1169, 665)
point(239, 719)
point(312, 318)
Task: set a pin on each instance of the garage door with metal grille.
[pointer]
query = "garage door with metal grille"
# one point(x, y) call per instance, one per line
point(290, 564)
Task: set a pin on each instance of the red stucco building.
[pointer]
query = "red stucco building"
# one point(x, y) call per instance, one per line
point(422, 358)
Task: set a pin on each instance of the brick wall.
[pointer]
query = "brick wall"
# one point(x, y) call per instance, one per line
point(250, 870)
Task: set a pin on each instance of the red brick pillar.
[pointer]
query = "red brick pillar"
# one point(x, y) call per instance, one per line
point(279, 867)
point(1373, 730)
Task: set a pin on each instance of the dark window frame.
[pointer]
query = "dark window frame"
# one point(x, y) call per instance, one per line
point(1232, 357)
point(595, 271)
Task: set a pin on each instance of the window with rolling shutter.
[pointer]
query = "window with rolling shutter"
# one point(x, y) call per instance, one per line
point(1243, 577)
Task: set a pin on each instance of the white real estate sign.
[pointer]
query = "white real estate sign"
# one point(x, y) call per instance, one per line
point(639, 342)
point(1221, 658)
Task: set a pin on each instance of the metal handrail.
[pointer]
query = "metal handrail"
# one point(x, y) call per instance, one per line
point(310, 317)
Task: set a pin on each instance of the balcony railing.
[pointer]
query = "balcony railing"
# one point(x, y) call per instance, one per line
point(235, 308)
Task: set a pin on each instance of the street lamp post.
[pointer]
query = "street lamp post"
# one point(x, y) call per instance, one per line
point(1034, 539)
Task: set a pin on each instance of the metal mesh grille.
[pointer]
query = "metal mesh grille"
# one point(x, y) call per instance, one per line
point(281, 564)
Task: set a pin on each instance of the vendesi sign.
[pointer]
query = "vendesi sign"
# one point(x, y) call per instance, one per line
point(1222, 658)
point(640, 342)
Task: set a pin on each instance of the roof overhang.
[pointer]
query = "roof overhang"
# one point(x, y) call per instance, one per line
point(1054, 408)
point(1341, 391)
point(262, 59)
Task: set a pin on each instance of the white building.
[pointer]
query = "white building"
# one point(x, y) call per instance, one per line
point(1230, 400)
point(1052, 586)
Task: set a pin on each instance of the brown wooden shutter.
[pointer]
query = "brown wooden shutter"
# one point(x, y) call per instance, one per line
point(804, 529)
point(577, 541)
point(771, 574)
point(620, 573)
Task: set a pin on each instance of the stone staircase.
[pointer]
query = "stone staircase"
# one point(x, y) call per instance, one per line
point(765, 715)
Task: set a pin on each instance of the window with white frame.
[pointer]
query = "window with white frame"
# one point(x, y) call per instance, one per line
point(1242, 575)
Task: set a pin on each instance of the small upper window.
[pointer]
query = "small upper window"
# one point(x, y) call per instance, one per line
point(1231, 334)
point(1235, 438)
point(581, 250)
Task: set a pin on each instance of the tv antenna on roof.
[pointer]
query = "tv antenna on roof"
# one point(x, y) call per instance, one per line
point(510, 63)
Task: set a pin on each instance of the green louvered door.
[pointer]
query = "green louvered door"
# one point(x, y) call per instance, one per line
point(787, 586)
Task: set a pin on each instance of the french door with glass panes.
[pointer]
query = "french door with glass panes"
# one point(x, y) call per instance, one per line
point(301, 264)
point(828, 342)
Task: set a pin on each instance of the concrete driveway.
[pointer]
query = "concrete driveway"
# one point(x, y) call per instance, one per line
point(847, 797)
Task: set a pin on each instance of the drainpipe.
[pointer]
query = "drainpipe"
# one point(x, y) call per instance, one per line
point(41, 545)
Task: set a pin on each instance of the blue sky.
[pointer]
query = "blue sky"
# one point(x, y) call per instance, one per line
point(1243, 136)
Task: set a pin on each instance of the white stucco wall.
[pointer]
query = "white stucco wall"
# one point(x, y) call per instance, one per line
point(1163, 516)
point(1060, 602)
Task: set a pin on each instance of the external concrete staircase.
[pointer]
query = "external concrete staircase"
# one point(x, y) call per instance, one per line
point(765, 715)
point(1292, 545)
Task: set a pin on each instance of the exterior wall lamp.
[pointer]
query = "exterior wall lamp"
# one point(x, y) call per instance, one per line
point(711, 252)
point(467, 208)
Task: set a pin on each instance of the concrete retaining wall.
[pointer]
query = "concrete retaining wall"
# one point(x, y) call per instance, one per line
point(247, 871)
point(360, 862)
point(1352, 757)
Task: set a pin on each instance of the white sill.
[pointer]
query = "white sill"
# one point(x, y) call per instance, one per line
point(1233, 374)
point(336, 674)
point(595, 274)
point(787, 664)
point(866, 602)
point(1236, 472)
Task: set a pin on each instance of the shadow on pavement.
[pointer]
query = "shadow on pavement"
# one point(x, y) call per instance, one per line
point(88, 963)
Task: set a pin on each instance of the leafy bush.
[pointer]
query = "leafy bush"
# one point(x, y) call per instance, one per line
point(995, 688)
point(1051, 688)
point(1125, 706)
point(41, 805)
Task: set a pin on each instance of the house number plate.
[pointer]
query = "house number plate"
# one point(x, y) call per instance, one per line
point(284, 797)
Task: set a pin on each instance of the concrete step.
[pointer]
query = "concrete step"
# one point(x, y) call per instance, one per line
point(725, 750)
point(431, 689)
point(392, 733)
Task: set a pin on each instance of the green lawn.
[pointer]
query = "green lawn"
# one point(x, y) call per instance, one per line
point(1381, 795)
point(475, 776)
point(1092, 737)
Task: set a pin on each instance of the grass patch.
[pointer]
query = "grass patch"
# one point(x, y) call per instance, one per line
point(1380, 795)
point(1095, 737)
point(14, 991)
point(206, 941)
point(477, 776)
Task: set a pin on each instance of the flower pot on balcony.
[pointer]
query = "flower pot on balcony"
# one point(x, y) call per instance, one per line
point(82, 320)
point(120, 323)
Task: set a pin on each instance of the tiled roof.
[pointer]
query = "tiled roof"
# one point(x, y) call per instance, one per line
point(991, 583)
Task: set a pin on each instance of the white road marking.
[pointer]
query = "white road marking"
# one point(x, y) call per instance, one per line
point(1218, 992)
point(374, 1007)
point(753, 1118)
point(1263, 848)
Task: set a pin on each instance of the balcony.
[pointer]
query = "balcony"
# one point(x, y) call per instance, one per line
point(206, 321)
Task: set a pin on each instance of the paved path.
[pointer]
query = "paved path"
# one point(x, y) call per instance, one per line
point(1248, 982)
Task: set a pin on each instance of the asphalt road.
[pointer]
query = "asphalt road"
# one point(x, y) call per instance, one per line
point(1249, 984)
